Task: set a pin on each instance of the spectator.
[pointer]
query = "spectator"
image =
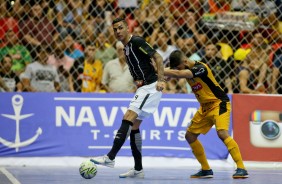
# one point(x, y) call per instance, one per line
point(253, 71)
point(179, 7)
point(7, 22)
point(116, 75)
point(220, 68)
point(61, 62)
point(163, 48)
point(87, 73)
point(69, 17)
point(138, 31)
point(105, 51)
point(19, 53)
point(99, 13)
point(20, 10)
point(69, 46)
point(8, 79)
point(144, 21)
point(247, 79)
point(39, 76)
point(37, 30)
point(188, 47)
point(92, 72)
point(192, 28)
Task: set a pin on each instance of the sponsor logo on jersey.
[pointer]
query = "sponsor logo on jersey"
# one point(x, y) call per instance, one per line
point(198, 86)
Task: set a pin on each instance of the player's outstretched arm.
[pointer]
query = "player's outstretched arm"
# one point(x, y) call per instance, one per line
point(178, 73)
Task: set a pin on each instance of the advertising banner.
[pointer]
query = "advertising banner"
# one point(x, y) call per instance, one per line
point(81, 124)
point(257, 126)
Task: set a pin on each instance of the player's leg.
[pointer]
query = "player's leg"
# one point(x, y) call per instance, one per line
point(222, 126)
point(136, 145)
point(199, 152)
point(234, 151)
point(122, 134)
point(136, 148)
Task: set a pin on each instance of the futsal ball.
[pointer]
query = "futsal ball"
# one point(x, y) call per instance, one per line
point(88, 169)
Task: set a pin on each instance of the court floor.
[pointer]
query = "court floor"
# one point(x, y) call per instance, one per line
point(70, 175)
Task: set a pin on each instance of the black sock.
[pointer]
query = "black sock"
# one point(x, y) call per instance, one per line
point(121, 136)
point(136, 148)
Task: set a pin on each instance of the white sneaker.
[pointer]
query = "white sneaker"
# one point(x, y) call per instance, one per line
point(132, 173)
point(103, 160)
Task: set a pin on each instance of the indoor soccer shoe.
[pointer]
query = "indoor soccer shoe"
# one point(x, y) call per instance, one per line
point(203, 174)
point(103, 160)
point(240, 173)
point(132, 173)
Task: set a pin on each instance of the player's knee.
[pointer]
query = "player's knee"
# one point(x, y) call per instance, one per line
point(223, 134)
point(190, 137)
point(130, 116)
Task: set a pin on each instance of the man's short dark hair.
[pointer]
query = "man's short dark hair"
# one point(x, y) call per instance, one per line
point(175, 58)
point(119, 19)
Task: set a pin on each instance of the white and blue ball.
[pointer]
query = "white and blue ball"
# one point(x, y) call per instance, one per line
point(88, 169)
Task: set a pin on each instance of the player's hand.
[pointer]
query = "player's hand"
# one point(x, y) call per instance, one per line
point(160, 85)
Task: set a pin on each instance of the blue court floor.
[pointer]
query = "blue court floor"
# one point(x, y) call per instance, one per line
point(63, 175)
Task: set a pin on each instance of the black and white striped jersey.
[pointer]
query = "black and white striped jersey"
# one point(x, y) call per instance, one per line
point(138, 57)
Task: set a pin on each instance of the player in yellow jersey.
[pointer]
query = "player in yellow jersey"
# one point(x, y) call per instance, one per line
point(215, 109)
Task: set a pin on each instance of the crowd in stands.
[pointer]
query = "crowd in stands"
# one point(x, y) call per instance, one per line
point(69, 45)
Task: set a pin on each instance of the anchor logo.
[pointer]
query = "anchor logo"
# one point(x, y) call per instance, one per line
point(17, 102)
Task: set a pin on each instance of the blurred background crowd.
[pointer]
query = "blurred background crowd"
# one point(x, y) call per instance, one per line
point(69, 45)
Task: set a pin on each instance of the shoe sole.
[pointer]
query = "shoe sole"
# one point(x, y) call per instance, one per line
point(202, 177)
point(141, 177)
point(240, 177)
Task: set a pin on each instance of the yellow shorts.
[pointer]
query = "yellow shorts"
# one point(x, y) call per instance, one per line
point(214, 113)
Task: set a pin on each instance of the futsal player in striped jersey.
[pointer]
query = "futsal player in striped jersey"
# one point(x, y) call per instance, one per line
point(215, 109)
point(150, 83)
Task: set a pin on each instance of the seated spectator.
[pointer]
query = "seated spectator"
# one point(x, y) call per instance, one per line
point(253, 72)
point(163, 48)
point(37, 30)
point(6, 24)
point(62, 64)
point(92, 72)
point(220, 68)
point(19, 53)
point(179, 7)
point(69, 17)
point(87, 73)
point(248, 78)
point(192, 28)
point(39, 76)
point(138, 31)
point(99, 15)
point(116, 75)
point(104, 50)
point(71, 53)
point(188, 47)
point(8, 79)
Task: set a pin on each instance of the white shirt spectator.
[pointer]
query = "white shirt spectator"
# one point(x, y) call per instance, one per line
point(42, 77)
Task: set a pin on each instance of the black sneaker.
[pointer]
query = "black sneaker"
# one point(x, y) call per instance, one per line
point(240, 174)
point(203, 174)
